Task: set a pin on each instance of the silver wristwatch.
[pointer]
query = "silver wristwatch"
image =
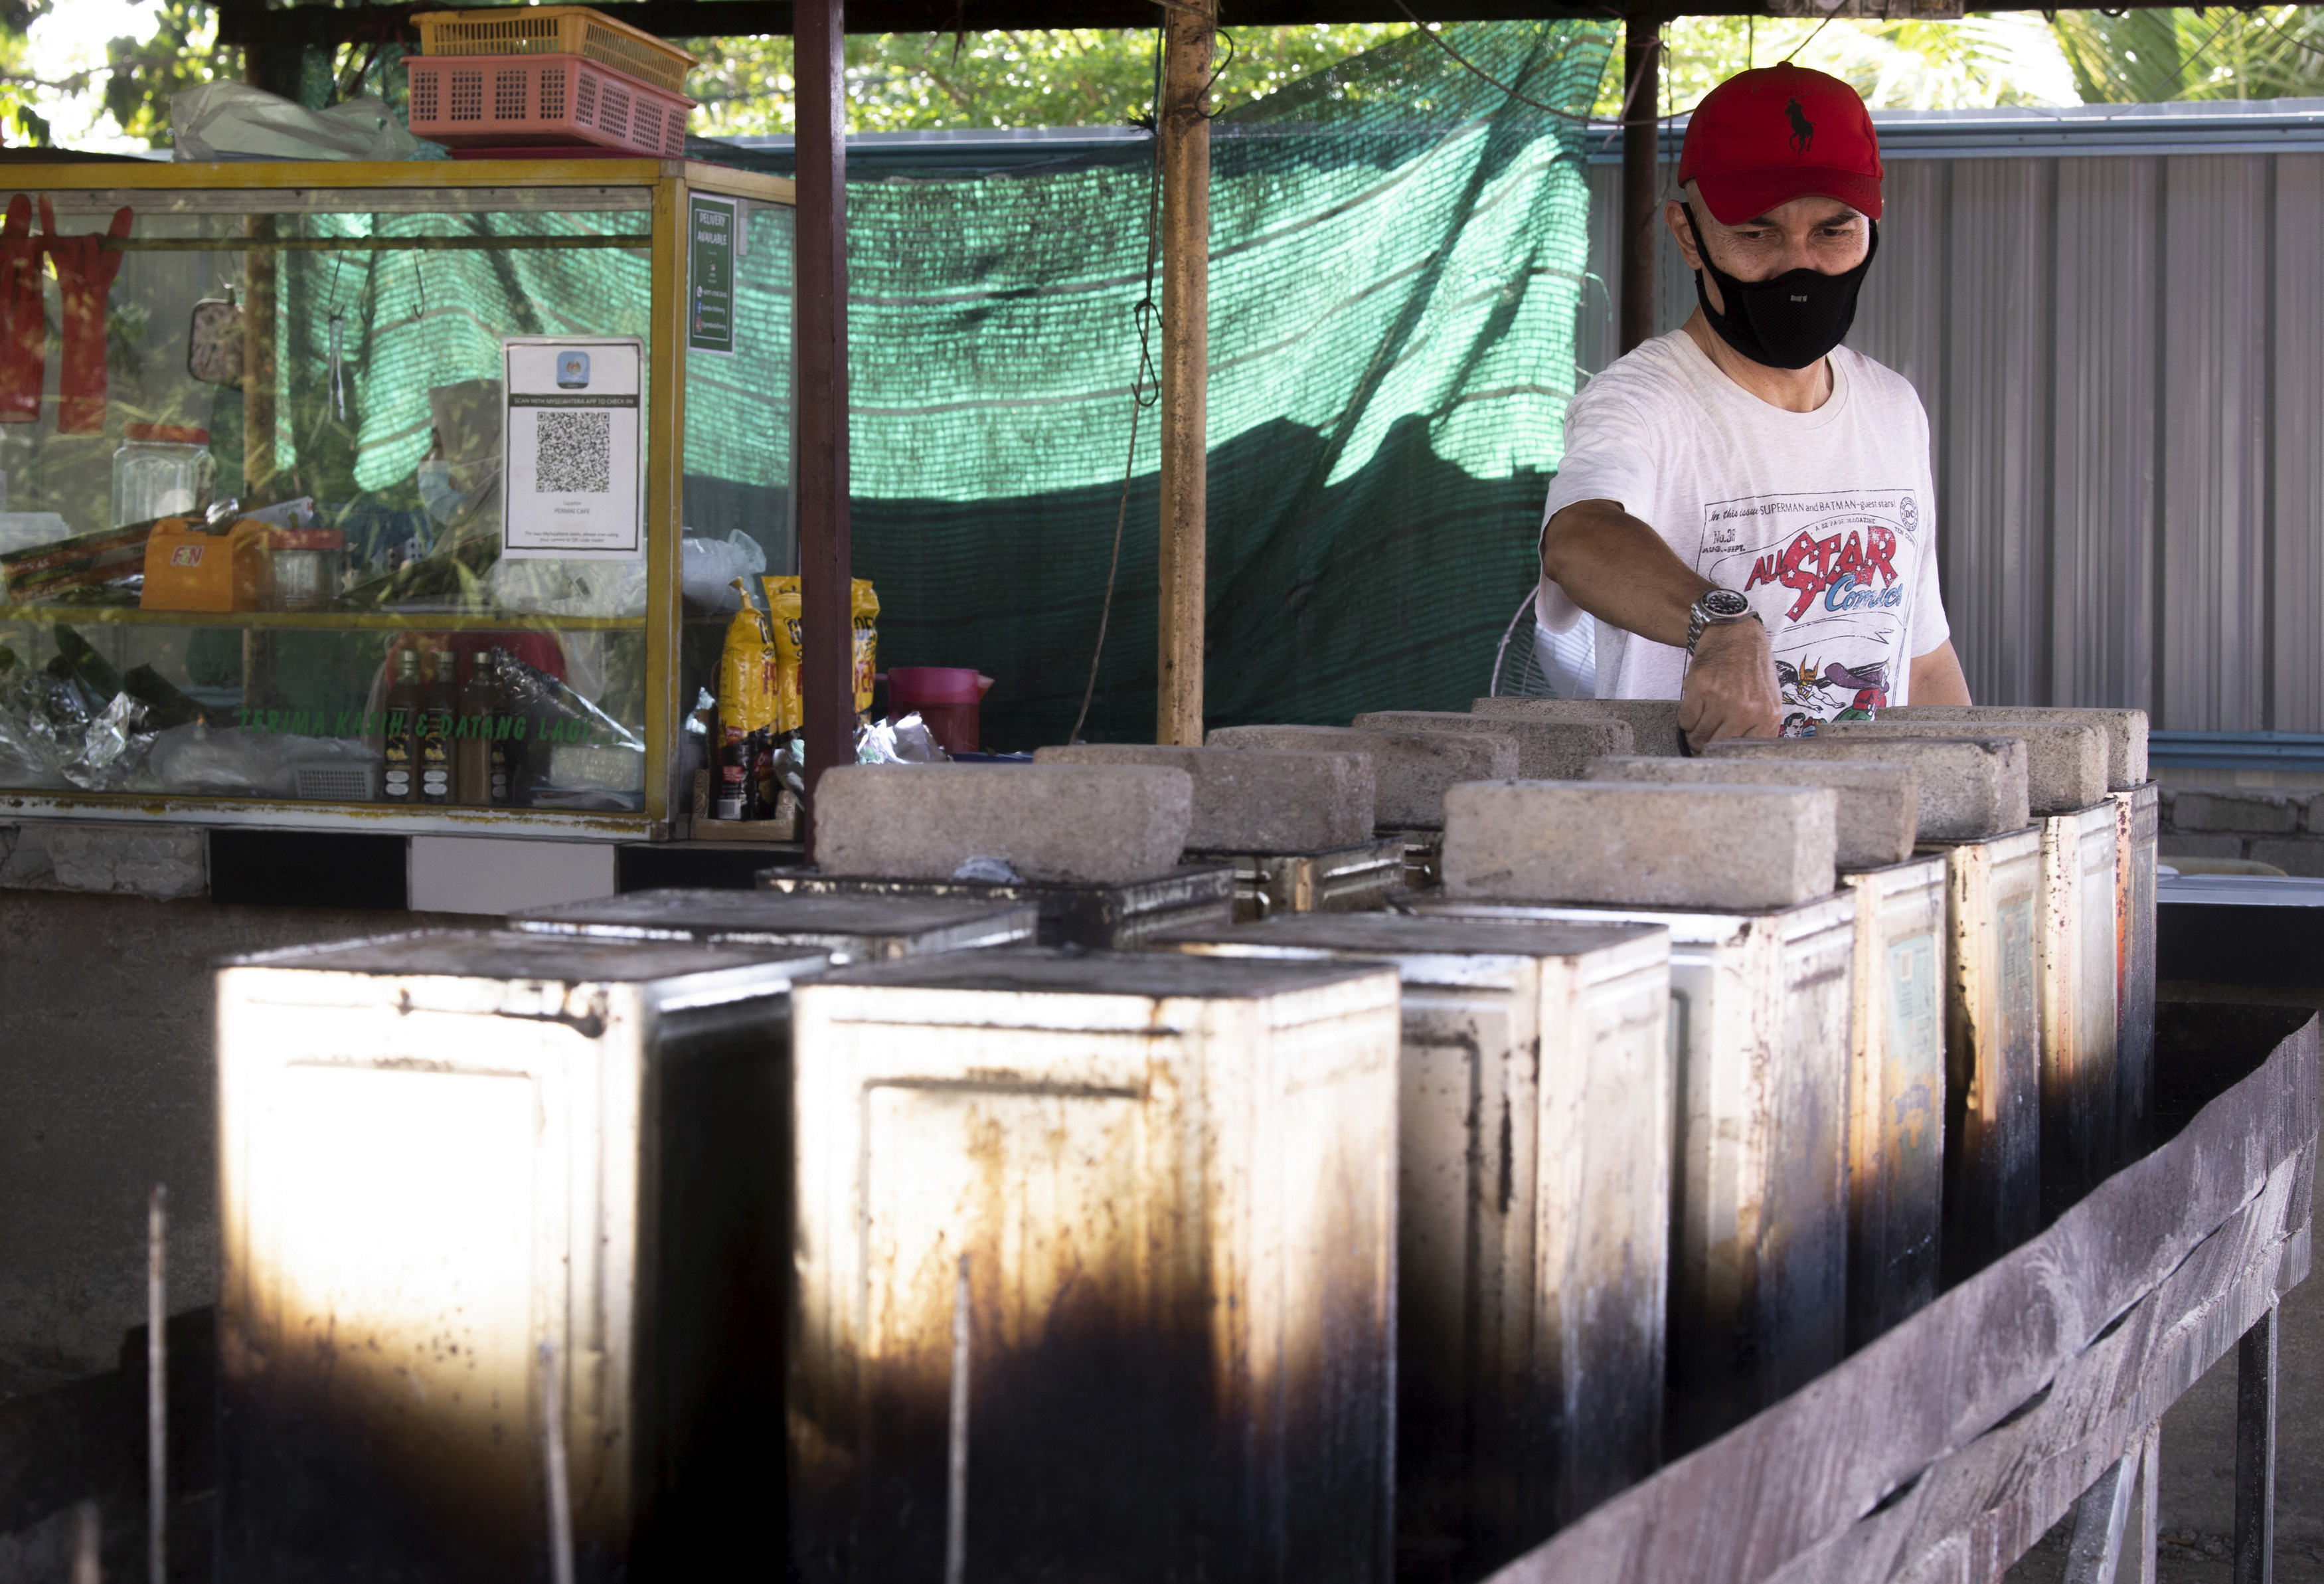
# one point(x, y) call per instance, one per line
point(1718, 607)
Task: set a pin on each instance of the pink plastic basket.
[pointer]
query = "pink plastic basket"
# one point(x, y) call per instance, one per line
point(473, 101)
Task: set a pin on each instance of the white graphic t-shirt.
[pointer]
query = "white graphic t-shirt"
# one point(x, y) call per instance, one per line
point(1824, 519)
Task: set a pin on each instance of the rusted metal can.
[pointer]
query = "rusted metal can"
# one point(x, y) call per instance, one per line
point(1101, 917)
point(1095, 1263)
point(1993, 1048)
point(850, 928)
point(1532, 1204)
point(475, 1185)
point(1346, 879)
point(1895, 1094)
point(2138, 827)
point(2077, 945)
point(1760, 1012)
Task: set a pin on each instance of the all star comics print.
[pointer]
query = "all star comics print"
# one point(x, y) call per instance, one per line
point(1826, 574)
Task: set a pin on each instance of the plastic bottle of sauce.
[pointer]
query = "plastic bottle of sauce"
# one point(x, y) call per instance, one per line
point(402, 748)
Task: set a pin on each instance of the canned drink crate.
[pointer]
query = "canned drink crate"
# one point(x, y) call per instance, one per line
point(1533, 1205)
point(556, 30)
point(478, 101)
point(1095, 1265)
point(474, 1185)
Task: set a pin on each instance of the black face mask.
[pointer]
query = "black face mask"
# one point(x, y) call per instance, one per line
point(1788, 322)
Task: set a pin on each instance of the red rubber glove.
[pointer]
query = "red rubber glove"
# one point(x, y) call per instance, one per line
point(23, 333)
point(85, 272)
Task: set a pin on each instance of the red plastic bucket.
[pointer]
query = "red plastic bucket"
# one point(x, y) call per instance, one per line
point(945, 698)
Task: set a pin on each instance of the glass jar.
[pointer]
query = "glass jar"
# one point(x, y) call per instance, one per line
point(162, 470)
point(302, 567)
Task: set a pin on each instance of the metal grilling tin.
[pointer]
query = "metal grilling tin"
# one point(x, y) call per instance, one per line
point(1103, 918)
point(2138, 825)
point(1760, 1012)
point(850, 928)
point(2077, 947)
point(1895, 1094)
point(1095, 1268)
point(1533, 1208)
point(458, 1173)
point(1337, 880)
point(1993, 1048)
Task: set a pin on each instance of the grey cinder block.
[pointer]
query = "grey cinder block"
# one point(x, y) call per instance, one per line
point(2065, 760)
point(1410, 769)
point(1638, 844)
point(2292, 855)
point(1246, 803)
point(2176, 846)
point(2263, 813)
point(1096, 823)
point(1653, 722)
point(1969, 787)
point(1879, 801)
point(2124, 730)
point(1547, 750)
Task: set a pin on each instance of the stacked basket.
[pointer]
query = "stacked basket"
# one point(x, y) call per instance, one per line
point(547, 75)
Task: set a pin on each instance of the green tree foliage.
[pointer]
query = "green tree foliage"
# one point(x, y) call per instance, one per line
point(2151, 57)
point(1060, 77)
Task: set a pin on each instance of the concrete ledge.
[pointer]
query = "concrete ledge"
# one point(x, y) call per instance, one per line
point(1410, 769)
point(2065, 760)
point(1547, 750)
point(164, 862)
point(1653, 722)
point(1969, 787)
point(1879, 801)
point(1102, 824)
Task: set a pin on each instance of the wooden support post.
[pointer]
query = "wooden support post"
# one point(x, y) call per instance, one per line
point(826, 635)
point(1642, 135)
point(1189, 28)
point(2255, 1552)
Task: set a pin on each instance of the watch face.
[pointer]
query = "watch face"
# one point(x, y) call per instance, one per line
point(1725, 602)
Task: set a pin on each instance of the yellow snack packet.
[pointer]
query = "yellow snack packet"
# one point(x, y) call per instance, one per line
point(747, 698)
point(783, 603)
point(863, 605)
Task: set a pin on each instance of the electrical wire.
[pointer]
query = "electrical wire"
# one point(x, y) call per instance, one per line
point(1139, 399)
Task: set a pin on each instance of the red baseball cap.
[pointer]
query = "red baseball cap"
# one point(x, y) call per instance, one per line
point(1766, 136)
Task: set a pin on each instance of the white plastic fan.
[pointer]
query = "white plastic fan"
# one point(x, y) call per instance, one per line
point(1533, 663)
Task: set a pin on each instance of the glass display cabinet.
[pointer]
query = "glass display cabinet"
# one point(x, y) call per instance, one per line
point(383, 496)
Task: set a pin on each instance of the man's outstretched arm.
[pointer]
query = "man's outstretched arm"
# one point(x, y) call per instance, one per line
point(1938, 678)
point(1619, 570)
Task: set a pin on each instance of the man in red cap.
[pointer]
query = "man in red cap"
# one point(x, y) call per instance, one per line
point(1745, 506)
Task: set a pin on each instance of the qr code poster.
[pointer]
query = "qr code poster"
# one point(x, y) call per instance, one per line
point(574, 487)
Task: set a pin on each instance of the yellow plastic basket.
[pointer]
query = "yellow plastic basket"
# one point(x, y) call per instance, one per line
point(556, 30)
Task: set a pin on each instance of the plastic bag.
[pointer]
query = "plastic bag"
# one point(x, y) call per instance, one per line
point(707, 569)
point(901, 742)
point(233, 121)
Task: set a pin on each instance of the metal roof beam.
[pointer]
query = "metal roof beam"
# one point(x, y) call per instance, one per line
point(245, 24)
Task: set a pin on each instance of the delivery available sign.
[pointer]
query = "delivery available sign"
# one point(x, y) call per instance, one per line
point(710, 272)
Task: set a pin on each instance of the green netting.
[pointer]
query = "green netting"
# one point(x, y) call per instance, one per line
point(1397, 253)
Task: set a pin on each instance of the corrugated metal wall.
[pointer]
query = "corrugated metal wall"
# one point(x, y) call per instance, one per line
point(2123, 360)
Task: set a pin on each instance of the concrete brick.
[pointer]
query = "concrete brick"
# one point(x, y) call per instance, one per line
point(2261, 813)
point(1969, 787)
point(1653, 722)
point(1879, 802)
point(2292, 855)
point(1253, 803)
point(2065, 760)
point(2124, 730)
point(1547, 750)
point(165, 862)
point(1102, 823)
point(2174, 845)
point(1410, 769)
point(1640, 845)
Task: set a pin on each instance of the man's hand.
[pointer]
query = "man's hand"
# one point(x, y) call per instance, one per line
point(1730, 688)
